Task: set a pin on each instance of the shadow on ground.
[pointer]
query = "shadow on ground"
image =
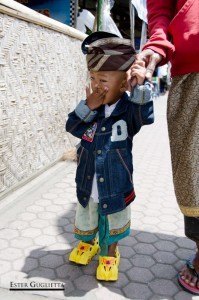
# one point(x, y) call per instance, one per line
point(148, 270)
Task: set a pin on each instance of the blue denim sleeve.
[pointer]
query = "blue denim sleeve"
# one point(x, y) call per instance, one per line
point(80, 119)
point(142, 106)
point(142, 94)
point(84, 112)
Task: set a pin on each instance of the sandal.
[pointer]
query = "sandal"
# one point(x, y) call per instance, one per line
point(188, 288)
point(84, 252)
point(108, 267)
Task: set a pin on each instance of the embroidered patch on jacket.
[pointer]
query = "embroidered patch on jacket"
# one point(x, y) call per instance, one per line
point(90, 132)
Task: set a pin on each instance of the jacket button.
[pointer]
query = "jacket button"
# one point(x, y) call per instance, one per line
point(88, 177)
point(85, 198)
point(105, 205)
point(99, 151)
point(103, 128)
point(101, 179)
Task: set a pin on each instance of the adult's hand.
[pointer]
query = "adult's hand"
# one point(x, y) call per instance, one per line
point(151, 59)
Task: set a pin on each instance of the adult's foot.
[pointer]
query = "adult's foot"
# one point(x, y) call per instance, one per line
point(189, 275)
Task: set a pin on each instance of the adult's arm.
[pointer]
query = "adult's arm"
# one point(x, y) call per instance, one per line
point(158, 49)
point(160, 14)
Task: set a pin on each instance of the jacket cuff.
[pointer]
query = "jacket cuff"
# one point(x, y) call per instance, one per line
point(142, 94)
point(84, 112)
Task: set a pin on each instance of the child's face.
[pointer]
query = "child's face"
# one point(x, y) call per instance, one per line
point(114, 81)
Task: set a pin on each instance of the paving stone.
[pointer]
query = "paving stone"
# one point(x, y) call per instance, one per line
point(163, 287)
point(69, 272)
point(14, 276)
point(60, 184)
point(10, 254)
point(39, 223)
point(66, 237)
point(152, 213)
point(46, 215)
point(125, 264)
point(35, 208)
point(59, 201)
point(120, 283)
point(143, 248)
point(103, 293)
point(126, 251)
point(165, 257)
point(58, 248)
point(166, 237)
point(163, 271)
point(5, 266)
point(185, 243)
point(128, 241)
point(43, 202)
point(184, 296)
point(42, 272)
point(31, 232)
point(62, 221)
point(184, 253)
point(137, 291)
point(28, 216)
point(19, 224)
point(159, 297)
point(52, 230)
point(44, 240)
point(143, 261)
point(49, 196)
point(165, 226)
point(146, 237)
point(165, 246)
point(8, 234)
point(25, 264)
point(55, 190)
point(35, 251)
point(91, 268)
point(21, 242)
point(54, 208)
point(168, 218)
point(141, 275)
point(3, 244)
point(69, 228)
point(51, 261)
point(86, 283)
point(151, 220)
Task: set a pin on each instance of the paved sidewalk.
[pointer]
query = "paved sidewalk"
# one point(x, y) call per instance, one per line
point(36, 224)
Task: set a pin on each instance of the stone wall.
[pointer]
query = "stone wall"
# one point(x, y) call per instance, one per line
point(42, 77)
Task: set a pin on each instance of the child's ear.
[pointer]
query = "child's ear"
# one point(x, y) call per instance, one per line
point(124, 85)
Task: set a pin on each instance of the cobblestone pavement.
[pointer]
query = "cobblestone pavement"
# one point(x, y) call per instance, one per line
point(36, 224)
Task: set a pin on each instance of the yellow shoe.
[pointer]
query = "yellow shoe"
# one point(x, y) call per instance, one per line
point(108, 267)
point(84, 252)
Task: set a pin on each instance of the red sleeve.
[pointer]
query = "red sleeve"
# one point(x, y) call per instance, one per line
point(160, 14)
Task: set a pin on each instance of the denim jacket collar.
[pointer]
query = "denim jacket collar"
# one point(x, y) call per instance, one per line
point(119, 109)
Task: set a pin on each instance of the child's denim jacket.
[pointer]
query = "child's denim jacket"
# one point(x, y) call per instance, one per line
point(106, 147)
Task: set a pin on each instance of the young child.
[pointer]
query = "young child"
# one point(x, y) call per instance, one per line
point(106, 123)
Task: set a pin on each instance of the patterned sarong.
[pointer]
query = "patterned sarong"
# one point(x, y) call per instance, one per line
point(110, 228)
point(183, 127)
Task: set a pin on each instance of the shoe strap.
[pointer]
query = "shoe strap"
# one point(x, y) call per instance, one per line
point(108, 260)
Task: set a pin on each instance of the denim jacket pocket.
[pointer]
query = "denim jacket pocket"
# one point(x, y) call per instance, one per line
point(120, 171)
point(82, 157)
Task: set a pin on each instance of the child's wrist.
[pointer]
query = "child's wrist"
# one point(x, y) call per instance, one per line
point(90, 106)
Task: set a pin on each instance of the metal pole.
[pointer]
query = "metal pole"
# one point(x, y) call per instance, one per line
point(99, 15)
point(76, 13)
point(132, 22)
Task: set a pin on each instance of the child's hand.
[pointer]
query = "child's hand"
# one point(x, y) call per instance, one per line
point(95, 99)
point(137, 73)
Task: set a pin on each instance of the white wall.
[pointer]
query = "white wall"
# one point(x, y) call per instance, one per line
point(42, 77)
